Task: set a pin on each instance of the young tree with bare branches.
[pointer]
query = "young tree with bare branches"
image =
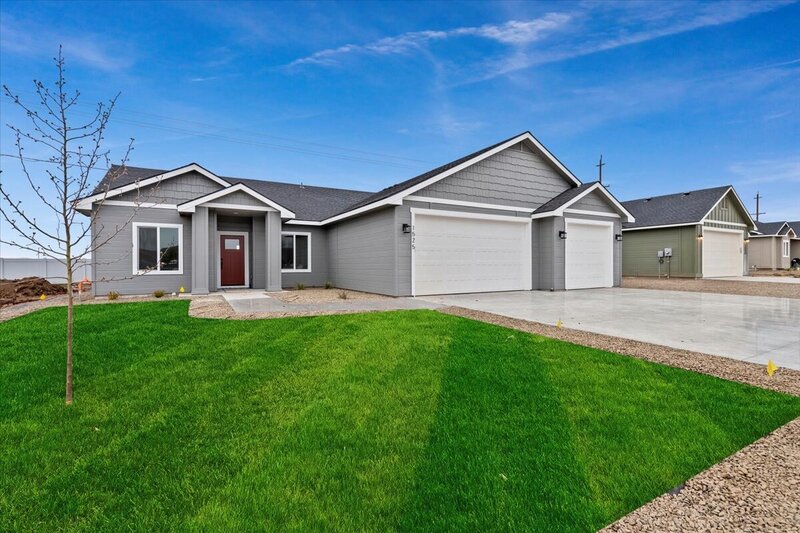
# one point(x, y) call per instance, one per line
point(57, 180)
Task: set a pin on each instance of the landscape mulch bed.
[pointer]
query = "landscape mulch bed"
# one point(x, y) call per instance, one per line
point(14, 291)
point(718, 286)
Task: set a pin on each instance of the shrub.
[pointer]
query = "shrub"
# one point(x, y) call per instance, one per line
point(158, 294)
point(328, 285)
point(343, 295)
point(300, 286)
point(113, 295)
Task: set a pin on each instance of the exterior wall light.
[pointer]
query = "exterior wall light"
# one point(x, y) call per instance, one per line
point(406, 228)
point(562, 234)
point(618, 237)
point(700, 237)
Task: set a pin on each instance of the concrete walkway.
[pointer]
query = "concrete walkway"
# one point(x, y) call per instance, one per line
point(747, 328)
point(256, 301)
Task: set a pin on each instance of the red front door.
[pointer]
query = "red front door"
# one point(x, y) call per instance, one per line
point(231, 260)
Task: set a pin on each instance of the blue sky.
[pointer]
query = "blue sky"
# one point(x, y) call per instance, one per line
point(362, 95)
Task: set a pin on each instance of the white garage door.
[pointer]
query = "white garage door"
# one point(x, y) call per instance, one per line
point(464, 252)
point(589, 261)
point(722, 253)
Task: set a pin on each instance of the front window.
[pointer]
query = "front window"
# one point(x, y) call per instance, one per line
point(157, 248)
point(296, 252)
point(785, 248)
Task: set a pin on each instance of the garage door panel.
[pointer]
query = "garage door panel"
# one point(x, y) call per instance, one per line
point(722, 253)
point(458, 255)
point(589, 255)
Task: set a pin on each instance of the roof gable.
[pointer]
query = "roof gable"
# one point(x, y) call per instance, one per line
point(558, 205)
point(684, 208)
point(190, 207)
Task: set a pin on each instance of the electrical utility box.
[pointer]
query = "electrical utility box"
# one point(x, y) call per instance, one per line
point(660, 253)
point(667, 252)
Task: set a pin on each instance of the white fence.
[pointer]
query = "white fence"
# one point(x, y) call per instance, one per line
point(50, 269)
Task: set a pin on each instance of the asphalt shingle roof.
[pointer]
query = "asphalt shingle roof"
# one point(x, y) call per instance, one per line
point(772, 228)
point(795, 226)
point(306, 201)
point(681, 208)
point(563, 198)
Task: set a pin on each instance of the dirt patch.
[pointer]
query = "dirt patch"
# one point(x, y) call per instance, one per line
point(718, 286)
point(784, 380)
point(14, 291)
point(755, 489)
point(318, 295)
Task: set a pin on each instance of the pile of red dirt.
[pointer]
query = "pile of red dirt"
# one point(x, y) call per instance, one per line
point(14, 291)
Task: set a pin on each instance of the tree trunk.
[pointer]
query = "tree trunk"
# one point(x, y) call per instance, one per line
point(70, 304)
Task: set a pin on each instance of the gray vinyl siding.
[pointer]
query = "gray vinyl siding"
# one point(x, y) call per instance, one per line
point(259, 253)
point(514, 177)
point(594, 201)
point(362, 253)
point(175, 190)
point(113, 261)
point(402, 247)
point(550, 266)
point(238, 198)
point(319, 258)
point(762, 253)
point(465, 209)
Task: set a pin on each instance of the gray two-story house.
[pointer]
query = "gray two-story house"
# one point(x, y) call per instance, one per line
point(508, 217)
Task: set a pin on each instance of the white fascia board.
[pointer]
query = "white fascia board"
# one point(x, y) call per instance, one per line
point(189, 207)
point(397, 199)
point(86, 203)
point(304, 222)
point(741, 205)
point(462, 203)
point(663, 226)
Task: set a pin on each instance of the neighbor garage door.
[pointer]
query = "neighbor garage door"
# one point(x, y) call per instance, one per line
point(464, 252)
point(722, 253)
point(589, 260)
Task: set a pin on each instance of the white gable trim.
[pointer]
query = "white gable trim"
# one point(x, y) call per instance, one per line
point(189, 207)
point(741, 204)
point(596, 187)
point(86, 203)
point(663, 226)
point(397, 198)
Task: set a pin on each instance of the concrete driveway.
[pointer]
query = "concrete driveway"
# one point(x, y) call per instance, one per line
point(749, 328)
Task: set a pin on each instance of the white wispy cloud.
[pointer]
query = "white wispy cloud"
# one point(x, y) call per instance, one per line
point(556, 36)
point(29, 40)
point(513, 32)
point(777, 170)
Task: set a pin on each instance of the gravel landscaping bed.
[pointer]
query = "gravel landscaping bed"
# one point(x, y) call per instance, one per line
point(719, 286)
point(217, 307)
point(319, 295)
point(755, 489)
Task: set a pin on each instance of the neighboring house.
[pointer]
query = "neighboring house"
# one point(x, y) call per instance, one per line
point(706, 231)
point(508, 217)
point(795, 245)
point(771, 246)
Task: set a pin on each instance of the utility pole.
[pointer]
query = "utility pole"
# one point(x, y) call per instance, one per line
point(758, 206)
point(600, 166)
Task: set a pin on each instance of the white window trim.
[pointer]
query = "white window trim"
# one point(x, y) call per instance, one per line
point(294, 251)
point(135, 254)
point(787, 249)
point(246, 236)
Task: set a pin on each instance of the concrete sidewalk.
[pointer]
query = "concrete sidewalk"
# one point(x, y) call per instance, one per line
point(747, 328)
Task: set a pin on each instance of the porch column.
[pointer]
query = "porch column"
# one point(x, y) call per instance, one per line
point(200, 251)
point(272, 232)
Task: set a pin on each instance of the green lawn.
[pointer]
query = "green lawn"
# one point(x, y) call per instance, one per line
point(386, 421)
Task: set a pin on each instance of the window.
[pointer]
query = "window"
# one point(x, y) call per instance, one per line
point(157, 248)
point(296, 252)
point(786, 249)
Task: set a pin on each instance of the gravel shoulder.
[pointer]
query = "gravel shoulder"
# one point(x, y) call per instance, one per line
point(755, 489)
point(745, 288)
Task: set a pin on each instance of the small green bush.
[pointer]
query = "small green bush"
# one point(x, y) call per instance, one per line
point(328, 285)
point(343, 295)
point(300, 286)
point(113, 295)
point(158, 294)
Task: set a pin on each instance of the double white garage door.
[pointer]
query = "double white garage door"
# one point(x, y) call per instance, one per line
point(461, 253)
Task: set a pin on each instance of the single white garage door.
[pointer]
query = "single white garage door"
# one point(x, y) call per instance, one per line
point(589, 261)
point(463, 252)
point(722, 253)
